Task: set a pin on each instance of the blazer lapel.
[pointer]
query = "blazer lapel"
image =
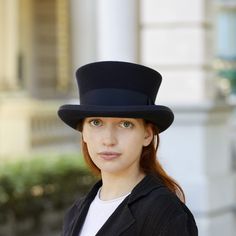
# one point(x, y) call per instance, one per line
point(78, 221)
point(118, 222)
point(122, 218)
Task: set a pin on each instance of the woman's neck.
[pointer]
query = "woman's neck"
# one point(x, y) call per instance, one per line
point(118, 185)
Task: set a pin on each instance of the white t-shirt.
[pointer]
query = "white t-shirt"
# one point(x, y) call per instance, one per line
point(98, 213)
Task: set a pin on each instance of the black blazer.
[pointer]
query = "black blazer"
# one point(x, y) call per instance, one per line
point(150, 210)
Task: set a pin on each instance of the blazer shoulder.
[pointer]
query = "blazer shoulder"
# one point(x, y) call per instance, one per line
point(166, 199)
point(165, 211)
point(179, 220)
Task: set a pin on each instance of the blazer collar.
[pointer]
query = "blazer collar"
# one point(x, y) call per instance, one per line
point(148, 184)
point(118, 222)
point(144, 187)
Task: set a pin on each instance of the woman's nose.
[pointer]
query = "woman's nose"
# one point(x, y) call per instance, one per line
point(109, 137)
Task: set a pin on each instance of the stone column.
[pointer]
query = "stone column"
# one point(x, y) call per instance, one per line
point(196, 152)
point(117, 30)
point(83, 35)
point(8, 44)
point(83, 32)
point(63, 46)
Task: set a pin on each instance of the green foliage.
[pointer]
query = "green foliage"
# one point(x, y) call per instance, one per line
point(29, 187)
point(229, 74)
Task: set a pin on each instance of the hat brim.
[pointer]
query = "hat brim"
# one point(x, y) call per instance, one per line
point(161, 116)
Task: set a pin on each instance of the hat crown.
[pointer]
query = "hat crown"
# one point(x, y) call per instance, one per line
point(115, 83)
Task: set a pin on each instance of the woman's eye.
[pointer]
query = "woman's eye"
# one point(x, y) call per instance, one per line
point(126, 124)
point(95, 122)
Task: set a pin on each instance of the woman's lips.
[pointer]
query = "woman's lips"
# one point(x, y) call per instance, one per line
point(109, 155)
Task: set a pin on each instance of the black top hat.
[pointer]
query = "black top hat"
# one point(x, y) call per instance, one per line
point(117, 89)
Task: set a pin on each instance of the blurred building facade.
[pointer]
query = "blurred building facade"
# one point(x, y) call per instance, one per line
point(35, 72)
point(44, 41)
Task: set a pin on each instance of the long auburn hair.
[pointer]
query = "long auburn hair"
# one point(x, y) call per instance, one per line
point(149, 163)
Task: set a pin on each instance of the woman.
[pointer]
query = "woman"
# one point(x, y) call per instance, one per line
point(120, 127)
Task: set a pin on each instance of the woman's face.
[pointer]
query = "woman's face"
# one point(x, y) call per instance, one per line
point(115, 144)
